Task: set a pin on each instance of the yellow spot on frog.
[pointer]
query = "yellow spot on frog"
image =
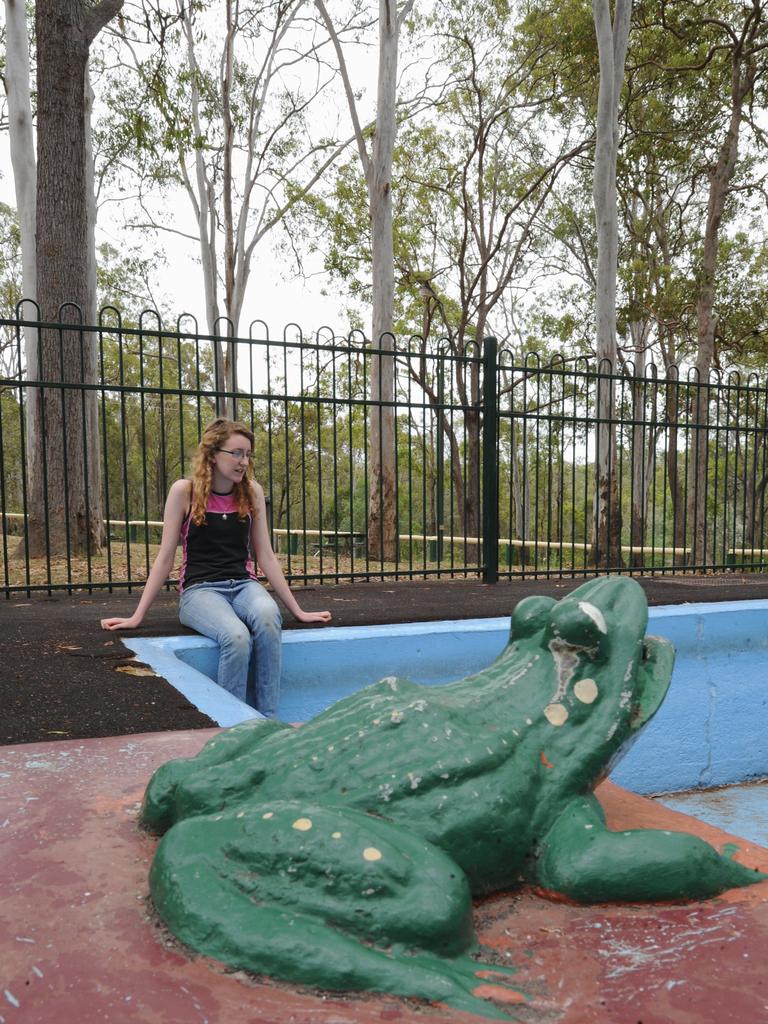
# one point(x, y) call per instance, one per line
point(267, 816)
point(371, 853)
point(556, 714)
point(302, 824)
point(586, 691)
point(335, 835)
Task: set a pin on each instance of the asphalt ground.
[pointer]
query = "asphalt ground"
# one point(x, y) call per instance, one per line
point(63, 678)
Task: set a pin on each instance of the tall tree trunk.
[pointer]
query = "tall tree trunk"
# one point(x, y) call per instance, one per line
point(382, 510)
point(671, 411)
point(22, 150)
point(521, 489)
point(637, 511)
point(639, 447)
point(23, 162)
point(676, 493)
point(472, 483)
point(65, 486)
point(382, 505)
point(754, 492)
point(203, 202)
point(612, 47)
point(93, 453)
point(719, 188)
point(229, 347)
point(473, 426)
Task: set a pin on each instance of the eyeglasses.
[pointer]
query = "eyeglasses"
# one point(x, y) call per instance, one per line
point(238, 453)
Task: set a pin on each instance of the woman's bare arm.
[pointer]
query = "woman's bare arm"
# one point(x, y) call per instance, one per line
point(176, 506)
point(270, 566)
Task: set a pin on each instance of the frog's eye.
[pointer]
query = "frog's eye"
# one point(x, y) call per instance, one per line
point(580, 624)
point(530, 616)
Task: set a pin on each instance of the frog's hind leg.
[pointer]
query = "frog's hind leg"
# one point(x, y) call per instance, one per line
point(582, 859)
point(327, 897)
point(160, 808)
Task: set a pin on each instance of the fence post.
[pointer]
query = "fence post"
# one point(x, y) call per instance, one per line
point(490, 479)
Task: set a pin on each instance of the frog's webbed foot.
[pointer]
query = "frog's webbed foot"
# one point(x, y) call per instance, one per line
point(327, 897)
point(580, 858)
point(470, 985)
point(166, 791)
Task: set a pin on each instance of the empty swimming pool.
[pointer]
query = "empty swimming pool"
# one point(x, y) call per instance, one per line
point(710, 731)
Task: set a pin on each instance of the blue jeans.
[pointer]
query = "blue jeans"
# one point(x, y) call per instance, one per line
point(245, 622)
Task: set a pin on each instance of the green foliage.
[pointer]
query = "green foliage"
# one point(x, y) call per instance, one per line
point(469, 172)
point(10, 285)
point(676, 110)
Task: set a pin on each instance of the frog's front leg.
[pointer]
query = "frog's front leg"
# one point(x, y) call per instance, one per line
point(580, 858)
point(327, 897)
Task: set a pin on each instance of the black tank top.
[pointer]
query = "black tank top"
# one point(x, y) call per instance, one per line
point(220, 548)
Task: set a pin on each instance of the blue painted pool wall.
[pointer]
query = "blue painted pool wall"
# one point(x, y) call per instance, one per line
point(712, 729)
point(162, 654)
point(324, 665)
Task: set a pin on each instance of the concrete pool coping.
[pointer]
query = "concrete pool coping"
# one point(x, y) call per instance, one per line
point(77, 932)
point(161, 654)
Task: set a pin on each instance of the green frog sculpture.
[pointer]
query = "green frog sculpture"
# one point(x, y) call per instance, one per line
point(344, 854)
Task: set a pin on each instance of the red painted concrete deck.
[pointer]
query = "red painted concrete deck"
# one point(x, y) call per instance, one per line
point(79, 944)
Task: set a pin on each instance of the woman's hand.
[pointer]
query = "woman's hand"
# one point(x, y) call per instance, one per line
point(131, 623)
point(303, 616)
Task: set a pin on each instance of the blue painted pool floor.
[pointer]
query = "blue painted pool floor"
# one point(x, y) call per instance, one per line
point(741, 809)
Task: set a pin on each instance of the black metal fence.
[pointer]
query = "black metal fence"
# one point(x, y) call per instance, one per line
point(494, 458)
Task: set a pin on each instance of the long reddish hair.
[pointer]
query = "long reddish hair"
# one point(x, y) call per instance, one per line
point(215, 436)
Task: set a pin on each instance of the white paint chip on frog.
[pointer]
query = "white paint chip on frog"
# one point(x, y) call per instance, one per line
point(556, 714)
point(595, 614)
point(586, 691)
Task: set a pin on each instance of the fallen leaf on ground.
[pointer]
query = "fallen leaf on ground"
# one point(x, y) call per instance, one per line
point(135, 670)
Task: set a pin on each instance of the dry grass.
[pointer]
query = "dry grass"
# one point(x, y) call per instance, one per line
point(110, 565)
point(114, 565)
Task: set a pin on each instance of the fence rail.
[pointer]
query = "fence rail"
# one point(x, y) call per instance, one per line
point(497, 461)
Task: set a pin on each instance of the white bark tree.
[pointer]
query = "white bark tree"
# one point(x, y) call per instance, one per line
point(22, 143)
point(235, 118)
point(746, 46)
point(472, 209)
point(376, 160)
point(24, 166)
point(612, 38)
